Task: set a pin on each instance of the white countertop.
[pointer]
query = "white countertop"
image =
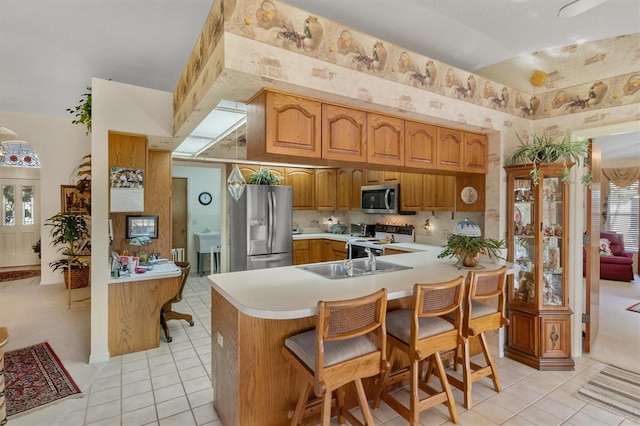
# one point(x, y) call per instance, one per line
point(290, 292)
point(166, 270)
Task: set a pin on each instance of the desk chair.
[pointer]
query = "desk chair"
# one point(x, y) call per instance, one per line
point(422, 333)
point(478, 318)
point(167, 313)
point(347, 345)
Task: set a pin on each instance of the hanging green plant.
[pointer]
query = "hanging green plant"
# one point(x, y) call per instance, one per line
point(545, 149)
point(82, 111)
point(264, 177)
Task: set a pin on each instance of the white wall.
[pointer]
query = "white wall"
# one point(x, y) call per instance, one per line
point(200, 177)
point(124, 108)
point(60, 146)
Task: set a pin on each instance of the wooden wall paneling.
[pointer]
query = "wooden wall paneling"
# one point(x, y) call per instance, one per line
point(157, 200)
point(420, 145)
point(126, 150)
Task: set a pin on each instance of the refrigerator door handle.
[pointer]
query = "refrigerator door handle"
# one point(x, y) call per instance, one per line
point(271, 213)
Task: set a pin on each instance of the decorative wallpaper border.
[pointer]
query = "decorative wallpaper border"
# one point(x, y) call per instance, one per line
point(284, 26)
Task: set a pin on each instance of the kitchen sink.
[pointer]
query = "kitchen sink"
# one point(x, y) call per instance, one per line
point(336, 270)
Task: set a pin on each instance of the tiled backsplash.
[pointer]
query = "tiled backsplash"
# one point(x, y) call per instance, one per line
point(442, 223)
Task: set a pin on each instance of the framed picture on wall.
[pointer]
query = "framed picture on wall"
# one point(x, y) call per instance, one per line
point(75, 201)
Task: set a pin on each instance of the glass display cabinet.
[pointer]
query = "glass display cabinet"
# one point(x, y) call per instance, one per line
point(539, 331)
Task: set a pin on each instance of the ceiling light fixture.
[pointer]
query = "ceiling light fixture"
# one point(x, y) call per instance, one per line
point(577, 7)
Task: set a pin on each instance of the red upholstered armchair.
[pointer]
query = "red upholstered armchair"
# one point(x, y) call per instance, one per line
point(619, 265)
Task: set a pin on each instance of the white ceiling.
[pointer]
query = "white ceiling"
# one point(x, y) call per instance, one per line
point(50, 50)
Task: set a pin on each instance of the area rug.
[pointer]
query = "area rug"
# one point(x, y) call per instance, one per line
point(616, 390)
point(634, 308)
point(34, 376)
point(18, 275)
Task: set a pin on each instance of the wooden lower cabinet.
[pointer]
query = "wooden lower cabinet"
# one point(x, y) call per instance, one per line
point(541, 341)
point(389, 251)
point(301, 252)
point(334, 250)
point(307, 251)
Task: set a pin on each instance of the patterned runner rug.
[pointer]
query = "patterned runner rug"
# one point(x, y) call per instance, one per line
point(18, 275)
point(634, 308)
point(616, 390)
point(34, 376)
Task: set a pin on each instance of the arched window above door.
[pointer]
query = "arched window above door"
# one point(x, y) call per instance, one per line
point(18, 154)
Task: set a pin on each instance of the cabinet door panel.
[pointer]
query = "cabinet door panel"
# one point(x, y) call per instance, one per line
point(344, 187)
point(556, 337)
point(356, 185)
point(293, 125)
point(343, 133)
point(411, 192)
point(326, 189)
point(303, 183)
point(449, 149)
point(315, 251)
point(523, 332)
point(385, 140)
point(475, 153)
point(439, 193)
point(420, 145)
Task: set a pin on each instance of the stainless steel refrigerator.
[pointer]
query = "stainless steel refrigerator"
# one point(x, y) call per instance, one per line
point(261, 223)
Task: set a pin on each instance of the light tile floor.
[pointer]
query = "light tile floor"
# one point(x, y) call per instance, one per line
point(171, 385)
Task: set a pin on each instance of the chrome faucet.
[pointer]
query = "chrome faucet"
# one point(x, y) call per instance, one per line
point(348, 263)
point(371, 258)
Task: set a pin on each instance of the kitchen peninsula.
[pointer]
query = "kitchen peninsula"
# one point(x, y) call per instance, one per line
point(253, 312)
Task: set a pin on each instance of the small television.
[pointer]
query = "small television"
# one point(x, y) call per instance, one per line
point(142, 226)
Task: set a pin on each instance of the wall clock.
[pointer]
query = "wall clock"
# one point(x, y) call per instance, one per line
point(204, 198)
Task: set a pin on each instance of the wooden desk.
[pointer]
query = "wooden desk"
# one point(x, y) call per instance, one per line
point(134, 311)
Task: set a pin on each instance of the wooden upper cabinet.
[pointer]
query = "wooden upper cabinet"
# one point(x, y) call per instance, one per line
point(303, 183)
point(248, 169)
point(278, 123)
point(449, 146)
point(344, 187)
point(380, 177)
point(420, 145)
point(411, 192)
point(476, 149)
point(356, 185)
point(344, 133)
point(439, 193)
point(385, 140)
point(326, 189)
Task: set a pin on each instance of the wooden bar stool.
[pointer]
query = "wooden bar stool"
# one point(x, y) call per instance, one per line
point(422, 333)
point(4, 339)
point(348, 344)
point(479, 316)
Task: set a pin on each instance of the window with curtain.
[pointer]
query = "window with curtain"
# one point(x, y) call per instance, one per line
point(623, 213)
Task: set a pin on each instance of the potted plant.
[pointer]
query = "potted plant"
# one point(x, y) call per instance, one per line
point(264, 177)
point(82, 111)
point(545, 149)
point(469, 248)
point(70, 232)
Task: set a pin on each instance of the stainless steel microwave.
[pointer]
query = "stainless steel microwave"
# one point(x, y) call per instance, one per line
point(380, 198)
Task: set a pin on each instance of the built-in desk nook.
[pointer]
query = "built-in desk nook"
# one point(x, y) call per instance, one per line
point(135, 302)
point(253, 312)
